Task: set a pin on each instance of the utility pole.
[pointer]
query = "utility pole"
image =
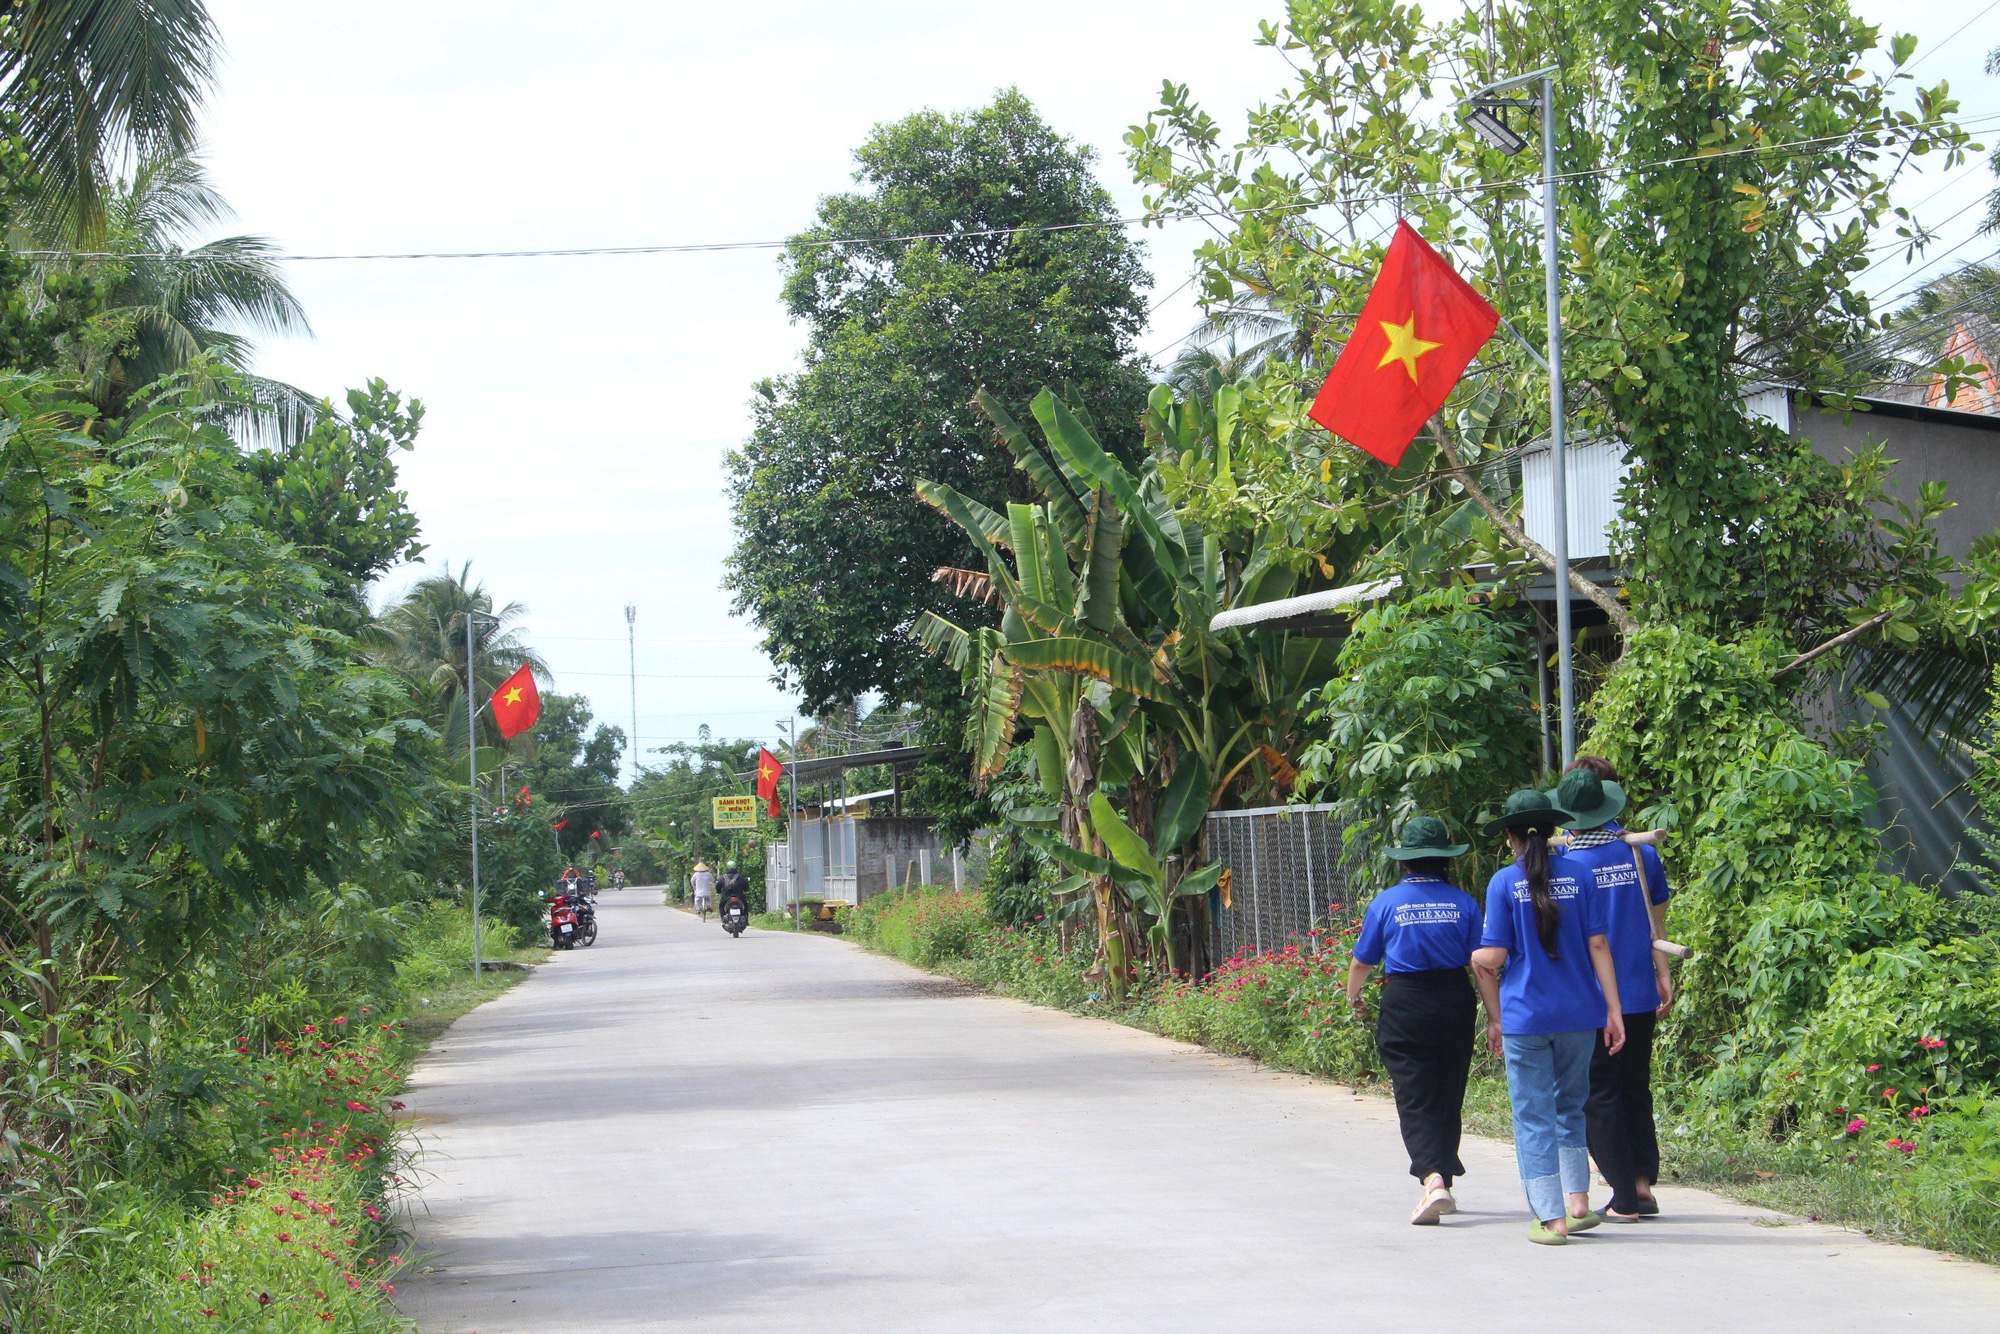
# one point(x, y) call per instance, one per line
point(632, 664)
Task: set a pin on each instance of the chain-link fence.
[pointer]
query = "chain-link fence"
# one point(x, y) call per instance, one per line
point(1287, 868)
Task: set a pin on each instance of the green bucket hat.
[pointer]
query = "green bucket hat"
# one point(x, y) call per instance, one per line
point(1525, 808)
point(1589, 800)
point(1424, 836)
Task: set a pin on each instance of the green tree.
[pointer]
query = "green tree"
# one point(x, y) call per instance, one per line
point(574, 770)
point(834, 553)
point(1728, 169)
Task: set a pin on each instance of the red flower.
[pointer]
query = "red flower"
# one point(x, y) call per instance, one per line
point(284, 1236)
point(1873, 1068)
point(263, 1299)
point(1888, 1094)
point(1930, 1044)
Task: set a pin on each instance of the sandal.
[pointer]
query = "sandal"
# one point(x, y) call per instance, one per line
point(1545, 1236)
point(1613, 1216)
point(1435, 1206)
point(1583, 1222)
point(1649, 1207)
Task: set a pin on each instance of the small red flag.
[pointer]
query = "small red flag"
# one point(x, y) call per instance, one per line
point(769, 770)
point(516, 704)
point(1418, 332)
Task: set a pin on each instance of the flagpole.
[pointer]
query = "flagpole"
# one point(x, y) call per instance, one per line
point(1565, 648)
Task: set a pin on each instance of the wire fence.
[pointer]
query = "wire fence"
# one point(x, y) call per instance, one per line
point(1287, 871)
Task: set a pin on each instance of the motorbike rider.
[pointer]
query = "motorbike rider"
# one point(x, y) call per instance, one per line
point(734, 885)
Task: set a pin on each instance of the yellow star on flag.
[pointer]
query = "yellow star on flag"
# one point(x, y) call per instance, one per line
point(513, 696)
point(1404, 345)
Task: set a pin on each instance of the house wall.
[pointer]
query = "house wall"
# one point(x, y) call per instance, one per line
point(884, 847)
point(1961, 449)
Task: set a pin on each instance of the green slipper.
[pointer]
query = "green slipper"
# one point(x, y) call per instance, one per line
point(1543, 1236)
point(1584, 1222)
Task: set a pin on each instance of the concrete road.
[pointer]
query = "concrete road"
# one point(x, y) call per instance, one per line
point(677, 1131)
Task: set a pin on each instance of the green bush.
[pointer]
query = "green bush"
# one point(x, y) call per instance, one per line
point(1432, 710)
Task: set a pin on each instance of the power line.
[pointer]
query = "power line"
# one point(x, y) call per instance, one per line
point(1927, 54)
point(989, 233)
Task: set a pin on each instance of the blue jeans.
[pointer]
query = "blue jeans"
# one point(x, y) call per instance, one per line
point(1548, 1081)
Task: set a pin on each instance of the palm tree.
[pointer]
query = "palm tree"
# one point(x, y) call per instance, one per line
point(95, 83)
point(181, 303)
point(423, 637)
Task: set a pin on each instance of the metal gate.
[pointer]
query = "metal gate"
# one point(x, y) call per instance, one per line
point(1287, 870)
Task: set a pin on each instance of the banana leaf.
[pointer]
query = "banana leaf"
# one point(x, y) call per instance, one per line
point(1097, 593)
point(1184, 805)
point(1124, 845)
point(1064, 496)
point(943, 639)
point(1087, 657)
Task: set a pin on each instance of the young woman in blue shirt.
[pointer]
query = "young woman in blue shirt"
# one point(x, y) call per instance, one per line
point(1422, 930)
point(1545, 939)
point(1633, 885)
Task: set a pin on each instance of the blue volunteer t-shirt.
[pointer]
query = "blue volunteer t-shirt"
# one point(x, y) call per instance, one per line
point(1419, 923)
point(1539, 994)
point(1628, 927)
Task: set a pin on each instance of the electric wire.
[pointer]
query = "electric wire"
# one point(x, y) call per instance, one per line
point(1154, 217)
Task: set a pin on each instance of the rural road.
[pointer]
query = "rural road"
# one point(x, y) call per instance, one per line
point(675, 1130)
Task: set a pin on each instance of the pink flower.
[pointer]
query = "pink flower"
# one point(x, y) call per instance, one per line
point(1930, 1044)
point(1857, 1125)
point(1873, 1068)
point(1919, 1113)
point(1888, 1094)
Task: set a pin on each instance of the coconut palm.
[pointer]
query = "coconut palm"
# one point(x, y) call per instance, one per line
point(178, 302)
point(93, 84)
point(423, 637)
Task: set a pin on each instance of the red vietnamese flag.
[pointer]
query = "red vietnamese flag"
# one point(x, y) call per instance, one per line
point(769, 769)
point(1420, 329)
point(516, 704)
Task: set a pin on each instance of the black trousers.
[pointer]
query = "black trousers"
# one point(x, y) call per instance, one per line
point(1620, 1112)
point(1425, 1037)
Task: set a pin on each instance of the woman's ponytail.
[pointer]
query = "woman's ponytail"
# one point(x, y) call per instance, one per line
point(1535, 861)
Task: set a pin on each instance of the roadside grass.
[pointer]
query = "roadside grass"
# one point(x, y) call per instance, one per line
point(1287, 1009)
point(265, 1200)
point(435, 977)
point(774, 921)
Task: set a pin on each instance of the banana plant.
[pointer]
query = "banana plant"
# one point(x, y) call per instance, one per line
point(1106, 597)
point(1149, 874)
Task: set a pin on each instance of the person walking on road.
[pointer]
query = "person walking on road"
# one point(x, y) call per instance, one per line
point(704, 888)
point(1545, 939)
point(1633, 886)
point(1422, 930)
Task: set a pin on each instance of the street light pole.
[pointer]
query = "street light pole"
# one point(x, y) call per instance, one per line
point(472, 767)
point(632, 665)
point(1488, 120)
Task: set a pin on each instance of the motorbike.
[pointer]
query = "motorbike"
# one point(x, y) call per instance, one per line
point(572, 922)
point(735, 915)
point(562, 922)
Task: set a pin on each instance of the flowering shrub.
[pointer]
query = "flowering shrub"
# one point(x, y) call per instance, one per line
point(1287, 1006)
point(293, 1248)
